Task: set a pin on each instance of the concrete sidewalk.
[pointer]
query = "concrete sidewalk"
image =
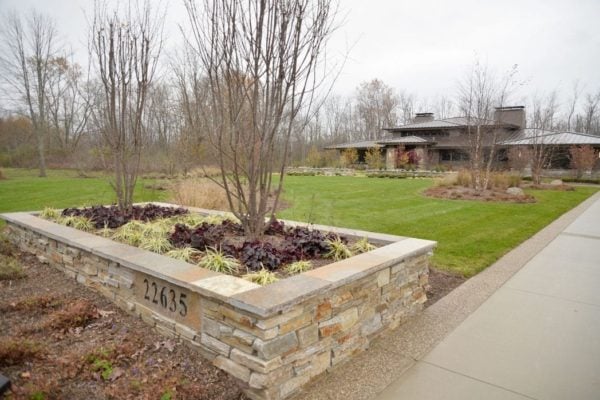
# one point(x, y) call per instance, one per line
point(536, 337)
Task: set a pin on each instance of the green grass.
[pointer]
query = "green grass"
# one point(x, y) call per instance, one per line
point(471, 235)
point(24, 191)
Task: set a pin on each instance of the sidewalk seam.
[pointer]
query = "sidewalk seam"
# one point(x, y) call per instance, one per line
point(479, 380)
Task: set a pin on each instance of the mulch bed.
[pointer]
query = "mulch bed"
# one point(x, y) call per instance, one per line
point(465, 193)
point(61, 340)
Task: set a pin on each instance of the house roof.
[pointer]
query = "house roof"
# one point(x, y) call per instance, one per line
point(361, 144)
point(405, 140)
point(531, 136)
point(447, 123)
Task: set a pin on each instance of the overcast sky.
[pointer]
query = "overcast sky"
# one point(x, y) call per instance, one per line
point(424, 46)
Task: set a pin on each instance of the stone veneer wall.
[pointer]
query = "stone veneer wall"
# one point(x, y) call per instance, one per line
point(271, 344)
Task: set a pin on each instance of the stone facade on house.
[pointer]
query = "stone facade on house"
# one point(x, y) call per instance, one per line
point(273, 339)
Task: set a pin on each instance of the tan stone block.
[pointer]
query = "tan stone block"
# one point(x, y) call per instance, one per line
point(215, 344)
point(279, 346)
point(308, 335)
point(323, 311)
point(383, 277)
point(340, 322)
point(273, 378)
point(340, 298)
point(255, 363)
point(242, 319)
point(272, 322)
point(89, 269)
point(296, 323)
point(232, 368)
point(398, 268)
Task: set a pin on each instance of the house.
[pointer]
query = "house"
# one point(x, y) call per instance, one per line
point(427, 142)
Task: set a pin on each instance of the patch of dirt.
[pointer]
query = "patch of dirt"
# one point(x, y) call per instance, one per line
point(61, 340)
point(440, 284)
point(465, 193)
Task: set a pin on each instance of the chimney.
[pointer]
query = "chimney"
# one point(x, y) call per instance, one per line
point(511, 115)
point(423, 117)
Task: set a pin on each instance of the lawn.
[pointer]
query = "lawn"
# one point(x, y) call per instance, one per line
point(471, 235)
point(24, 191)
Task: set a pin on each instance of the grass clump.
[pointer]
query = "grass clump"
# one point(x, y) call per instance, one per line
point(298, 267)
point(338, 249)
point(156, 243)
point(215, 260)
point(15, 351)
point(262, 277)
point(10, 268)
point(363, 246)
point(50, 213)
point(81, 223)
point(184, 253)
point(131, 233)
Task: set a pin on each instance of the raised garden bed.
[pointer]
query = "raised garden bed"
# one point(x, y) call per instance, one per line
point(273, 338)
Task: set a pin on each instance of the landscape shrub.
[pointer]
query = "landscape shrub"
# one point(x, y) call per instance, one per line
point(463, 178)
point(15, 351)
point(583, 158)
point(348, 157)
point(201, 193)
point(10, 268)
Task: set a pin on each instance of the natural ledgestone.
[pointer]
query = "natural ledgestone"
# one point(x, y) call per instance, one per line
point(238, 371)
point(383, 277)
point(244, 337)
point(308, 335)
point(372, 325)
point(279, 319)
point(255, 363)
point(296, 323)
point(260, 381)
point(215, 345)
point(323, 311)
point(276, 347)
point(340, 322)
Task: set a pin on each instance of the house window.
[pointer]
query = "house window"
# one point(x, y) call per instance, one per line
point(453, 155)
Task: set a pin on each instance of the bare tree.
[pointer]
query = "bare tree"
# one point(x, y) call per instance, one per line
point(261, 59)
point(479, 94)
point(125, 46)
point(29, 46)
point(376, 105)
point(540, 153)
point(67, 103)
point(573, 100)
point(591, 114)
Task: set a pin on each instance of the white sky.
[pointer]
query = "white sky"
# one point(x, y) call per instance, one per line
point(424, 46)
